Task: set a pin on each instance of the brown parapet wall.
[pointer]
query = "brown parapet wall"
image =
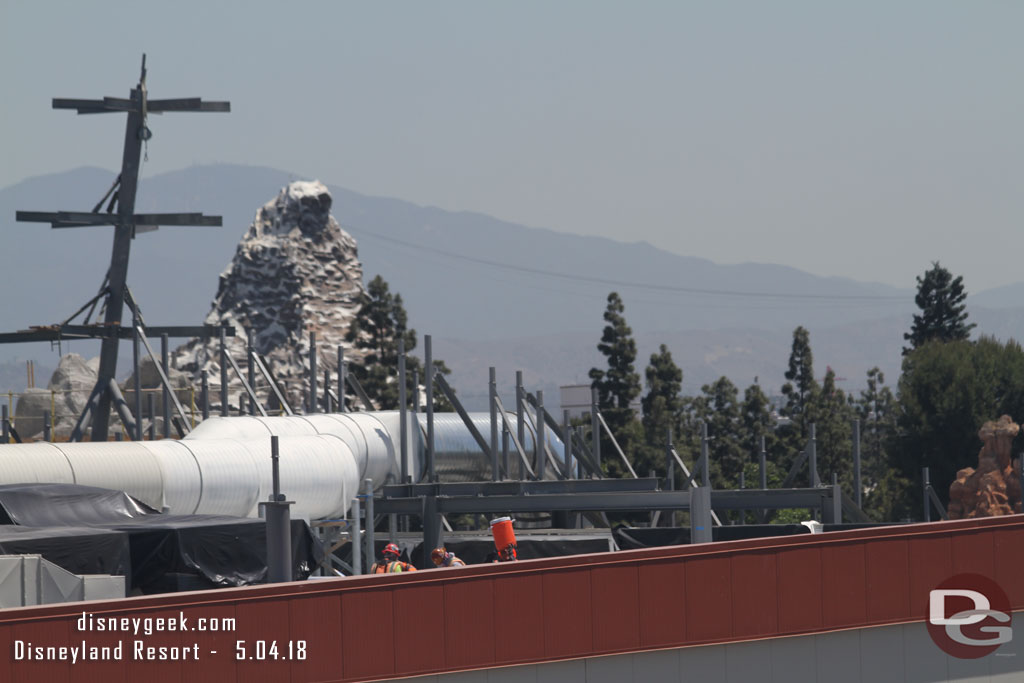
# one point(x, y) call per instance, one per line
point(380, 627)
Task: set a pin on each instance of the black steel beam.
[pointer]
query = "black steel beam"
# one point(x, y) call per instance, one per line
point(186, 104)
point(518, 488)
point(768, 498)
point(639, 500)
point(70, 332)
point(107, 104)
point(68, 219)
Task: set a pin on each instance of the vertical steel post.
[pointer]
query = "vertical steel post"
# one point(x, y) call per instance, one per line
point(225, 409)
point(762, 464)
point(504, 450)
point(705, 473)
point(743, 485)
point(341, 379)
point(403, 417)
point(567, 444)
point(832, 512)
point(250, 368)
point(137, 408)
point(429, 381)
point(541, 452)
point(151, 409)
point(431, 528)
point(700, 514)
point(46, 426)
point(858, 487)
point(416, 393)
point(595, 426)
point(371, 550)
point(204, 398)
point(165, 393)
point(812, 447)
point(314, 406)
point(7, 424)
point(670, 464)
point(926, 484)
point(356, 539)
point(278, 518)
point(492, 391)
point(117, 277)
point(520, 420)
point(328, 405)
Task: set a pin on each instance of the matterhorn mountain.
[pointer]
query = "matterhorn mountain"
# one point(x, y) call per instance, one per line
point(294, 272)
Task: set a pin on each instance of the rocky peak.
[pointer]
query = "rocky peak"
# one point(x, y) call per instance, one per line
point(295, 271)
point(993, 489)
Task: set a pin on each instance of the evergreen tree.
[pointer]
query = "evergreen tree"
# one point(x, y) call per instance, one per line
point(756, 421)
point(946, 392)
point(883, 487)
point(380, 323)
point(618, 385)
point(719, 407)
point(943, 316)
point(801, 387)
point(662, 405)
point(832, 416)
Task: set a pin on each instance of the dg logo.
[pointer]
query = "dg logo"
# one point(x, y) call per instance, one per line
point(969, 616)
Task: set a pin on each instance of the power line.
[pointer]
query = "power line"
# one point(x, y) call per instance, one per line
point(625, 283)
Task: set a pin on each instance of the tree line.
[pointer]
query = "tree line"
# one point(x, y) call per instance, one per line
point(949, 385)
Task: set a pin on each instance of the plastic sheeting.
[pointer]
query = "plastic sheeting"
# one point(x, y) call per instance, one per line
point(145, 546)
point(79, 550)
point(41, 505)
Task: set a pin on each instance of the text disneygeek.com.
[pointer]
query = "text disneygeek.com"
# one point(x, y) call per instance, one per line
point(138, 649)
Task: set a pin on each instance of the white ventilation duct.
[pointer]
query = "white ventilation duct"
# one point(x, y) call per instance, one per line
point(224, 465)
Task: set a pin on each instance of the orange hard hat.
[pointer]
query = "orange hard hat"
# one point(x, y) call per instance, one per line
point(438, 555)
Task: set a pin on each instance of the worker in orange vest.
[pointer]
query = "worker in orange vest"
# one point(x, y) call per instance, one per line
point(390, 564)
point(443, 558)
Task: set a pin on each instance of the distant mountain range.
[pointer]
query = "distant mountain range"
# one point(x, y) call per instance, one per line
point(488, 291)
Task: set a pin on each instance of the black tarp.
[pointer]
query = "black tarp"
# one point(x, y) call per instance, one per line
point(80, 550)
point(221, 550)
point(43, 505)
point(162, 550)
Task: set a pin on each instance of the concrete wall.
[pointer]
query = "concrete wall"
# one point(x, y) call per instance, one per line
point(902, 653)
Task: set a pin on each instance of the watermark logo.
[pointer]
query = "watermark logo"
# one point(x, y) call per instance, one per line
point(969, 616)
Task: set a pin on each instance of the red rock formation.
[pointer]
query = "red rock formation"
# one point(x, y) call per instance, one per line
point(994, 488)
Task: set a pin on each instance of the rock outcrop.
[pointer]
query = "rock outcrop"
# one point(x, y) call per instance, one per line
point(66, 395)
point(294, 272)
point(993, 489)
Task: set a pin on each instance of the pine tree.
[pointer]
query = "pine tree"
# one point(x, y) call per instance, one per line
point(877, 409)
point(801, 388)
point(381, 322)
point(662, 405)
point(943, 316)
point(756, 421)
point(832, 416)
point(719, 407)
point(618, 385)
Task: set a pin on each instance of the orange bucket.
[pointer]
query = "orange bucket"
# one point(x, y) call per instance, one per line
point(501, 530)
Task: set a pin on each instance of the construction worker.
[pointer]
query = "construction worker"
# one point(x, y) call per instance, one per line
point(443, 558)
point(390, 564)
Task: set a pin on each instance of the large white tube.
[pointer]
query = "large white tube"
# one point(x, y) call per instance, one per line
point(224, 465)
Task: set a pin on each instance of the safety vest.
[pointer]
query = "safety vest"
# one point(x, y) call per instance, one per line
point(393, 567)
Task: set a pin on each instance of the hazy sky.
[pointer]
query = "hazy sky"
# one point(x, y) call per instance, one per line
point(860, 139)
